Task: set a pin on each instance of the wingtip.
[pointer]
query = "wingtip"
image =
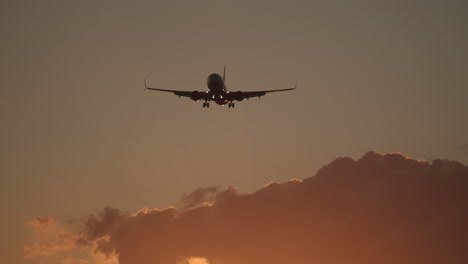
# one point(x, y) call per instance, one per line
point(146, 87)
point(295, 86)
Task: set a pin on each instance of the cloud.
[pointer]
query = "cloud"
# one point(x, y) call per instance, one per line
point(69, 260)
point(379, 209)
point(194, 260)
point(201, 196)
point(49, 238)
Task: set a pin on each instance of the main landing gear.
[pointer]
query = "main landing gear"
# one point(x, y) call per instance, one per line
point(231, 104)
point(206, 104)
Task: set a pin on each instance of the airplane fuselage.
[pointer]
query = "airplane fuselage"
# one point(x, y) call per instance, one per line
point(218, 91)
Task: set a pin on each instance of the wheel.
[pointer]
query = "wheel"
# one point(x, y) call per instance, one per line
point(208, 105)
point(233, 105)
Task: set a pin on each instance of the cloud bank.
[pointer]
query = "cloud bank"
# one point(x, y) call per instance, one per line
point(378, 209)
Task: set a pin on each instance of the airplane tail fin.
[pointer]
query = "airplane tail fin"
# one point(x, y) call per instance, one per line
point(224, 74)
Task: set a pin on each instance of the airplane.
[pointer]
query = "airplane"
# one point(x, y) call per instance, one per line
point(218, 92)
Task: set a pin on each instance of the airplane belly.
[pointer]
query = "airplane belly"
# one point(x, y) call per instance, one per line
point(221, 102)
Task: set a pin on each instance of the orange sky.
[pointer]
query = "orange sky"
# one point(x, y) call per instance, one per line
point(79, 133)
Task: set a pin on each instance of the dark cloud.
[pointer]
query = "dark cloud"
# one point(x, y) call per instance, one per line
point(378, 209)
point(198, 197)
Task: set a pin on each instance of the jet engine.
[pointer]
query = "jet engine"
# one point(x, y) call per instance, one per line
point(195, 96)
point(239, 96)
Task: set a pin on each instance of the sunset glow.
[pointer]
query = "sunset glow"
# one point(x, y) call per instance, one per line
point(364, 162)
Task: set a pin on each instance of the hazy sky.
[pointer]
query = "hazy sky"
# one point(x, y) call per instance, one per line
point(79, 133)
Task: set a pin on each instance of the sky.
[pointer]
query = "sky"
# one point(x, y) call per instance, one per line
point(79, 132)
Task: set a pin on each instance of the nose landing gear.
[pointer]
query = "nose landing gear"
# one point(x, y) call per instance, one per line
point(206, 104)
point(231, 104)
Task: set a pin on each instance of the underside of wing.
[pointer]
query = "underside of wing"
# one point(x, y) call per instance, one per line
point(262, 93)
point(194, 95)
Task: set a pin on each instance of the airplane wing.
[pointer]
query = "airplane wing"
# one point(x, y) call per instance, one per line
point(190, 94)
point(262, 93)
point(259, 94)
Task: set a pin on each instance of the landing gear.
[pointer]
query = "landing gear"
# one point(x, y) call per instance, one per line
point(206, 104)
point(231, 104)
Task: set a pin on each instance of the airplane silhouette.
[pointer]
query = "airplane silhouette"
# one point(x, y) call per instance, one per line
point(218, 92)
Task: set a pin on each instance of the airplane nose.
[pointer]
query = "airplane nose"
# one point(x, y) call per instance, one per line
point(214, 79)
